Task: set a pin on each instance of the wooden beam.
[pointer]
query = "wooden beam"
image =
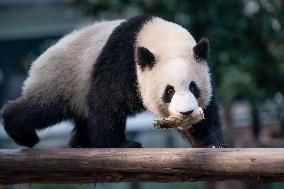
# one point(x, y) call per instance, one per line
point(155, 165)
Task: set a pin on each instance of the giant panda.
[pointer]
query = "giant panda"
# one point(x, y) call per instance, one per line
point(101, 74)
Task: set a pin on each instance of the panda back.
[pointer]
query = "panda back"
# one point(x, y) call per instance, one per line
point(64, 70)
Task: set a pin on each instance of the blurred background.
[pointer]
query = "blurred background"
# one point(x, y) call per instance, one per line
point(247, 64)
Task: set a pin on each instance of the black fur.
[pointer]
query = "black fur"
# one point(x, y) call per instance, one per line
point(201, 50)
point(113, 96)
point(145, 58)
point(114, 93)
point(80, 134)
point(168, 94)
point(23, 116)
point(194, 89)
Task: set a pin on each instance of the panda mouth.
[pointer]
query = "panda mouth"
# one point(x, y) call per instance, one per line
point(183, 122)
point(186, 113)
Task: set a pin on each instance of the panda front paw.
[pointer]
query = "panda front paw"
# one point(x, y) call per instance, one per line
point(219, 145)
point(212, 145)
point(130, 144)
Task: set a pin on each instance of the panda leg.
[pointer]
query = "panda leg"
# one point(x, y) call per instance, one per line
point(23, 116)
point(80, 135)
point(106, 130)
point(208, 132)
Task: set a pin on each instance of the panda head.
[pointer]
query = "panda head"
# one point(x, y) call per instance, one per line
point(172, 71)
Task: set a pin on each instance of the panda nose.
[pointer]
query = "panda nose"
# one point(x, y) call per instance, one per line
point(186, 113)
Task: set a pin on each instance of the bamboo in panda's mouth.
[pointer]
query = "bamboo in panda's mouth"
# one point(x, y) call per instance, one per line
point(181, 123)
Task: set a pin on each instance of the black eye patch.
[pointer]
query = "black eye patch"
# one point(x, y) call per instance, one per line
point(168, 94)
point(194, 89)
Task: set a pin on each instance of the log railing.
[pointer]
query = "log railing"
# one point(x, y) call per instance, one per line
point(152, 164)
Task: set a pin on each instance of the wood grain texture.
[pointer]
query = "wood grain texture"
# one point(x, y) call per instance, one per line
point(155, 165)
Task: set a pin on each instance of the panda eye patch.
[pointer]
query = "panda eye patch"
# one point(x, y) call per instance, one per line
point(194, 89)
point(168, 94)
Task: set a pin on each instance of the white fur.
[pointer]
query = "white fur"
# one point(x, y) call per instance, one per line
point(182, 102)
point(65, 68)
point(175, 65)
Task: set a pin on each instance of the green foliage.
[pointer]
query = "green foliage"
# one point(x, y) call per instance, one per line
point(247, 38)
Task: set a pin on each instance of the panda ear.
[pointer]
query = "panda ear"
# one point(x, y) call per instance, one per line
point(201, 50)
point(145, 58)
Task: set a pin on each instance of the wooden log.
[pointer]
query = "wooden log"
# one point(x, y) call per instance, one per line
point(155, 165)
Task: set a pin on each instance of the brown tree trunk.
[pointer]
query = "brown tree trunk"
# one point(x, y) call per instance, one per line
point(158, 165)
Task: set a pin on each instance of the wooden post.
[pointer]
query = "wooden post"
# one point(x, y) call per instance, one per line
point(155, 165)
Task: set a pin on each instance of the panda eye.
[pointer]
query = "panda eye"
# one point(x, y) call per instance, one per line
point(194, 89)
point(168, 94)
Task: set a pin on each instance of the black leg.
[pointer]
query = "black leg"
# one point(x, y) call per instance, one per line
point(109, 136)
point(110, 102)
point(207, 133)
point(80, 135)
point(107, 130)
point(23, 116)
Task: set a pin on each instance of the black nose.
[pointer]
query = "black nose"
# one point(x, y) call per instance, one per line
point(186, 113)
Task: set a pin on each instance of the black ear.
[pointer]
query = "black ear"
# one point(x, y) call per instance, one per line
point(201, 50)
point(145, 58)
